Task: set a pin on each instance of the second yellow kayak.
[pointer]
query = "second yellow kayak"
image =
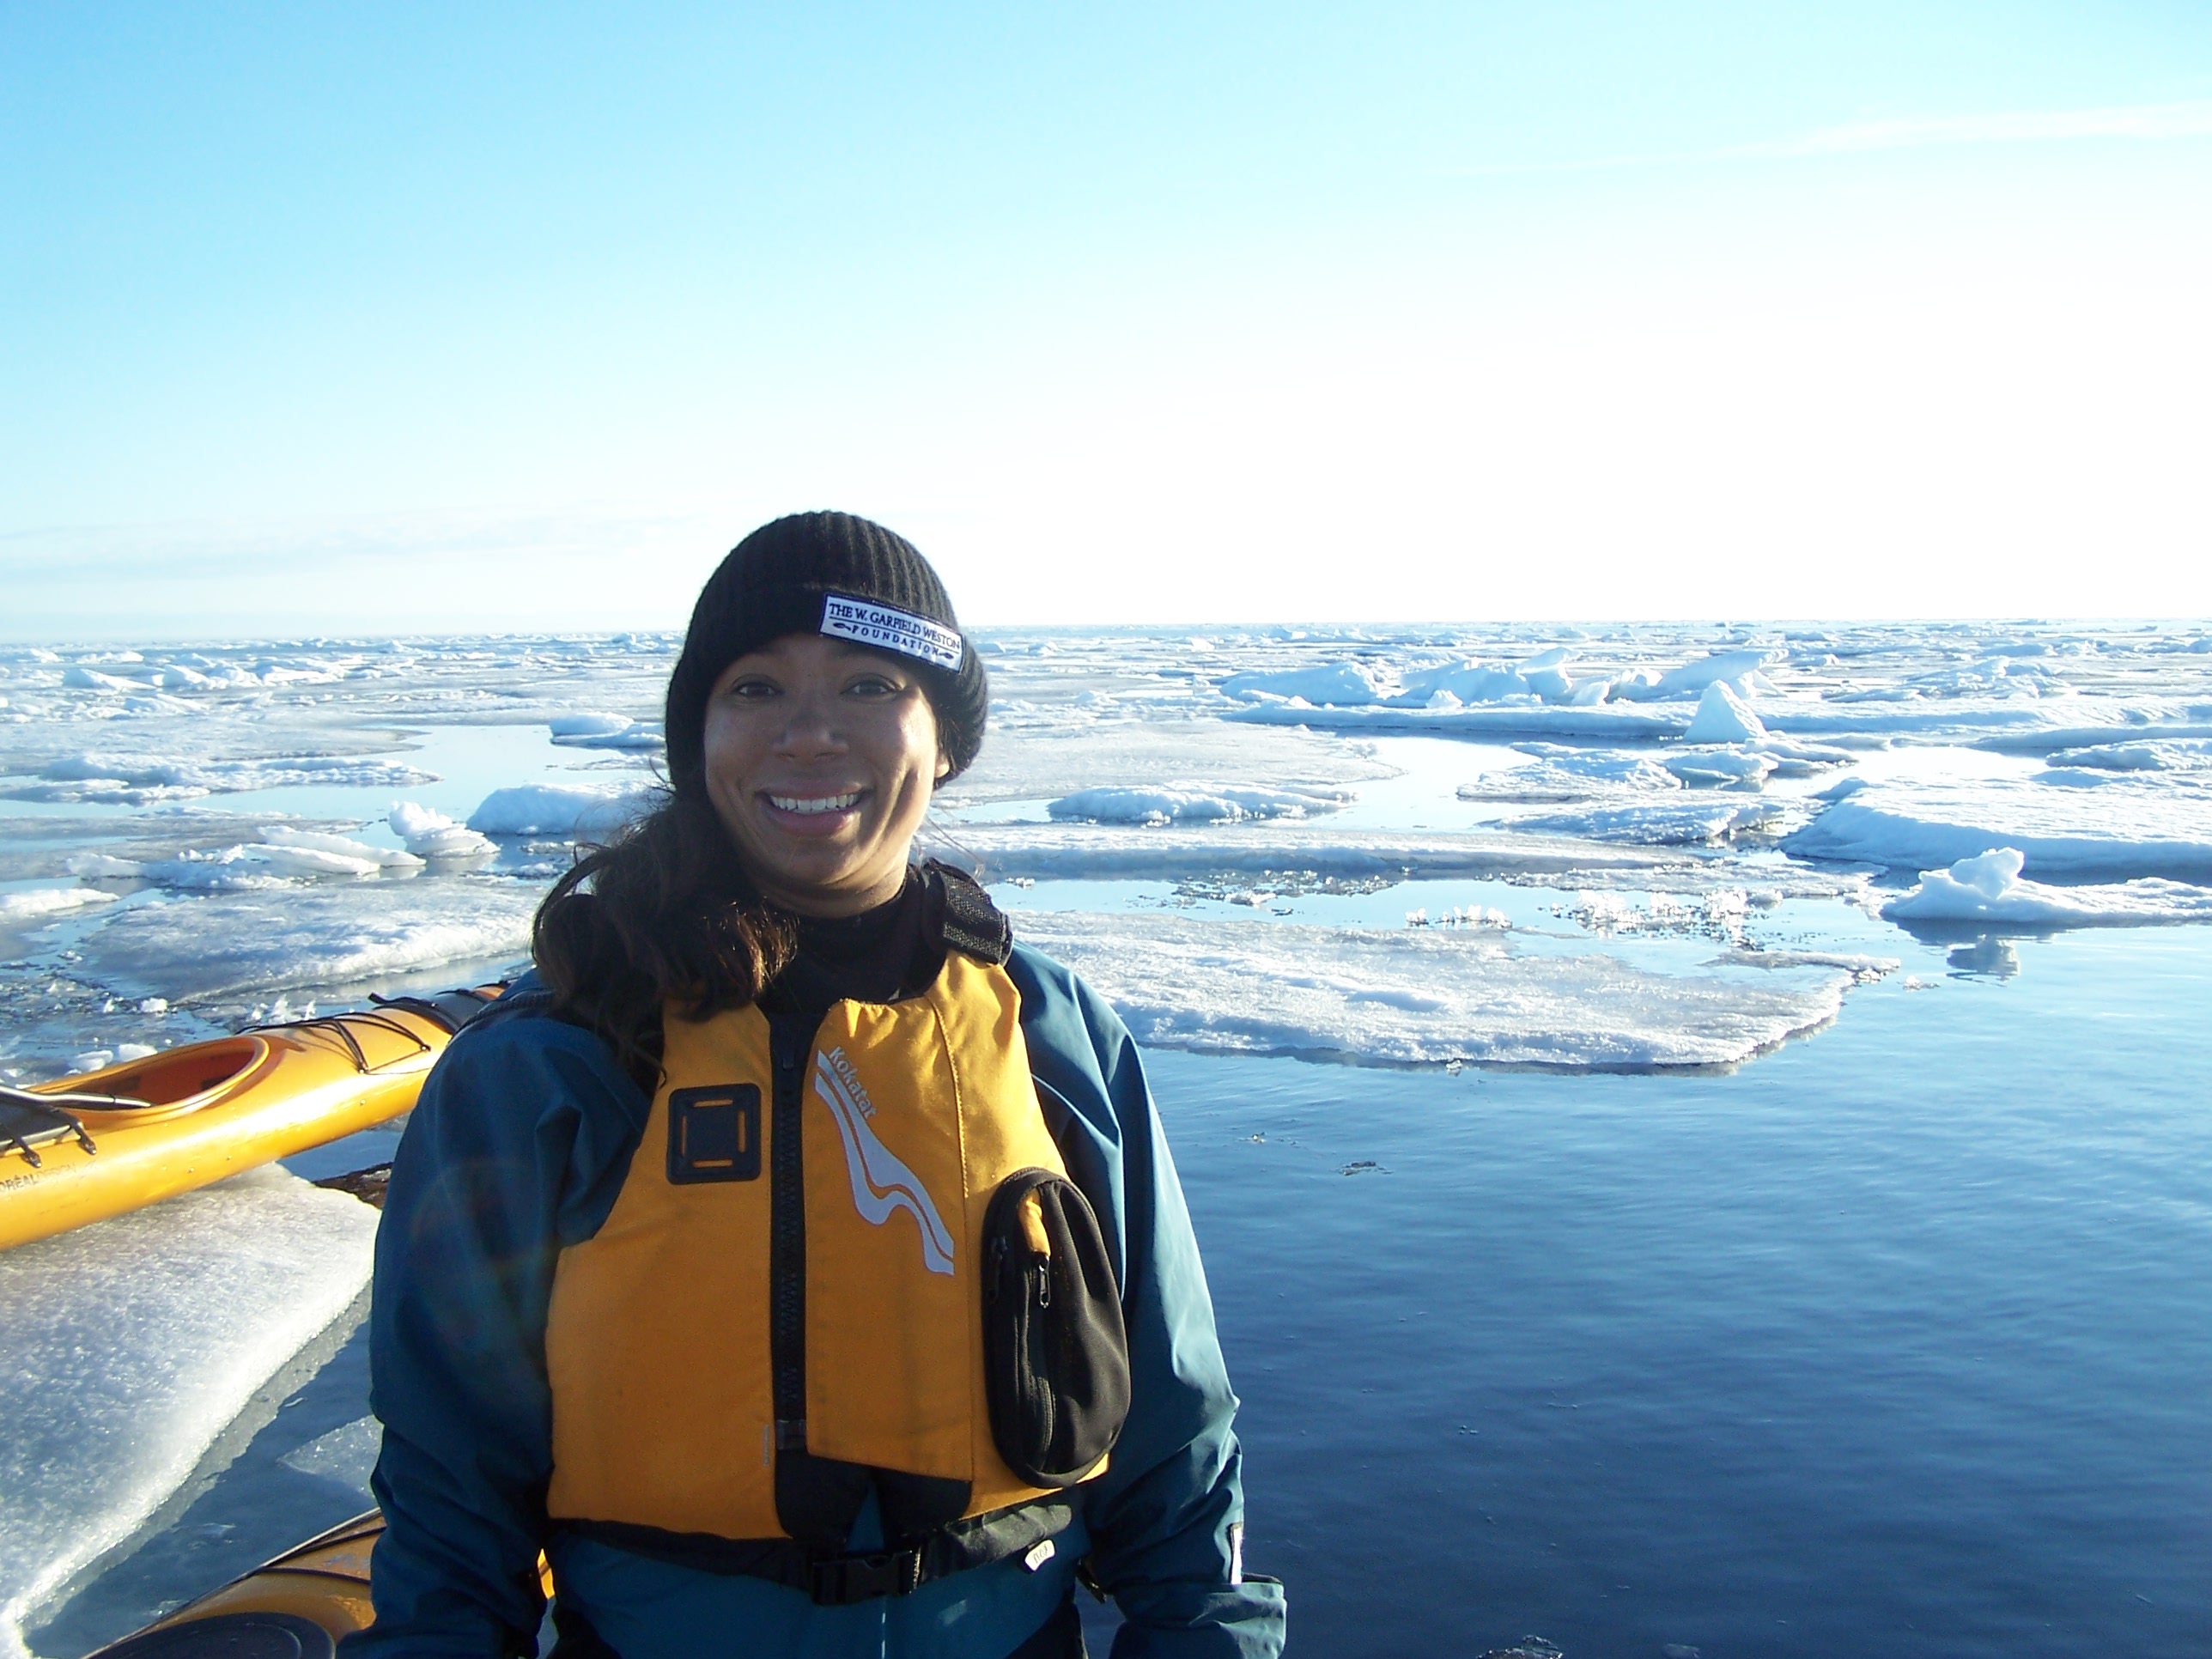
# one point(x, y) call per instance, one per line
point(80, 1149)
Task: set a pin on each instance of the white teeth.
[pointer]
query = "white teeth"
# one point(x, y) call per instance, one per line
point(819, 804)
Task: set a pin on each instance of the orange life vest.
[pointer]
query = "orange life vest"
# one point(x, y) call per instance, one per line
point(658, 1342)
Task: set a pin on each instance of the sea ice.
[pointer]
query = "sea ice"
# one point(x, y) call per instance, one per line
point(42, 904)
point(1043, 757)
point(98, 865)
point(222, 870)
point(431, 834)
point(2126, 825)
point(1194, 804)
point(1462, 682)
point(1422, 995)
point(1988, 888)
point(1701, 818)
point(1605, 723)
point(132, 1344)
point(346, 1455)
point(1694, 678)
point(240, 943)
point(1719, 766)
point(2170, 755)
point(1347, 684)
point(138, 781)
point(1586, 772)
point(1723, 717)
point(568, 810)
point(606, 731)
point(1083, 852)
point(343, 846)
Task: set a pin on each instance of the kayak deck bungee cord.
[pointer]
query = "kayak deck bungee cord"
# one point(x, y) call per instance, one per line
point(80, 1149)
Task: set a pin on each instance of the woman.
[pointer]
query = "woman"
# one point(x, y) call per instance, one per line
point(793, 1259)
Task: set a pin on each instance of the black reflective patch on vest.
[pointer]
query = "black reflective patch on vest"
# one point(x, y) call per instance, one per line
point(715, 1134)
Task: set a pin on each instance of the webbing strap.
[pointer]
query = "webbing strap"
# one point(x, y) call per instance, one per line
point(841, 1580)
point(973, 925)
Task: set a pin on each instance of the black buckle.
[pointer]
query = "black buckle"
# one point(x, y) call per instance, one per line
point(837, 1581)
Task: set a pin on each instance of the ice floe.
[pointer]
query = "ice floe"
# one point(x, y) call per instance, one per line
point(236, 943)
point(1701, 818)
point(1194, 804)
point(2153, 755)
point(305, 851)
point(432, 835)
point(1607, 723)
point(1045, 852)
point(1691, 679)
point(2118, 827)
point(1046, 757)
point(1345, 683)
point(568, 810)
point(1422, 995)
point(103, 866)
point(138, 781)
point(46, 903)
point(131, 1345)
point(1723, 717)
point(1560, 773)
point(606, 731)
point(1988, 888)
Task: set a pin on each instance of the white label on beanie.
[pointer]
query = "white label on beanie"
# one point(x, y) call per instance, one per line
point(891, 631)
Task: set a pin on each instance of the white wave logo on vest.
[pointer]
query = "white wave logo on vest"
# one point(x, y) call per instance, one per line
point(881, 1183)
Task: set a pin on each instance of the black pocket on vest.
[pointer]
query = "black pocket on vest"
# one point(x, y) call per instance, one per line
point(1056, 1352)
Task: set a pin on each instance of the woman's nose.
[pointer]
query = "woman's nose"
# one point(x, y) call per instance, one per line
point(812, 726)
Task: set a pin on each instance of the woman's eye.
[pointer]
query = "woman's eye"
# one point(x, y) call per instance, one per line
point(753, 690)
point(873, 686)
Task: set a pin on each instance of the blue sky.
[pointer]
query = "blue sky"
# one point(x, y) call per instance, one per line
point(404, 317)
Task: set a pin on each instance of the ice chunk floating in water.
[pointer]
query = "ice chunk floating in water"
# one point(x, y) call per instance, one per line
point(1989, 889)
point(1422, 995)
point(133, 1343)
point(2111, 826)
point(1195, 804)
point(431, 834)
point(567, 809)
point(327, 935)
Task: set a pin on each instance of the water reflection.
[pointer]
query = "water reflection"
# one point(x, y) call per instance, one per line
point(1990, 957)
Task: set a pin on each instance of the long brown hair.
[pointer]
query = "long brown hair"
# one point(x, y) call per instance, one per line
point(660, 912)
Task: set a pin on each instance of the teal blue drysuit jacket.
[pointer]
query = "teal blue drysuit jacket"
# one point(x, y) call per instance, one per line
point(519, 1146)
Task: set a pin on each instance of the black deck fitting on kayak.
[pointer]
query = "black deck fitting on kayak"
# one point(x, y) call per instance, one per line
point(451, 1009)
point(29, 1121)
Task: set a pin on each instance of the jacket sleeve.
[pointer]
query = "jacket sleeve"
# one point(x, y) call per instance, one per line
point(1166, 1519)
point(519, 1145)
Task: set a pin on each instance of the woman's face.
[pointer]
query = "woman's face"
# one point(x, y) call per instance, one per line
point(820, 760)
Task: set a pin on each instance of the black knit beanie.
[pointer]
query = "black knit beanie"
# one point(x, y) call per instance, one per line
point(831, 574)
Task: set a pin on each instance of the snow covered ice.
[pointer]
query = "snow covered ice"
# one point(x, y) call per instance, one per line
point(132, 1344)
point(1423, 995)
point(2066, 823)
point(1988, 888)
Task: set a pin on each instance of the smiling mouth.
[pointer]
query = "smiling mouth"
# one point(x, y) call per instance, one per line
point(809, 805)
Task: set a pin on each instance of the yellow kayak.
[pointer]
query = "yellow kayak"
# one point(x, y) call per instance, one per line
point(81, 1149)
point(296, 1607)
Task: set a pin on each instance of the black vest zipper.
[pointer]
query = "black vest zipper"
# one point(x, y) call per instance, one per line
point(787, 1237)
